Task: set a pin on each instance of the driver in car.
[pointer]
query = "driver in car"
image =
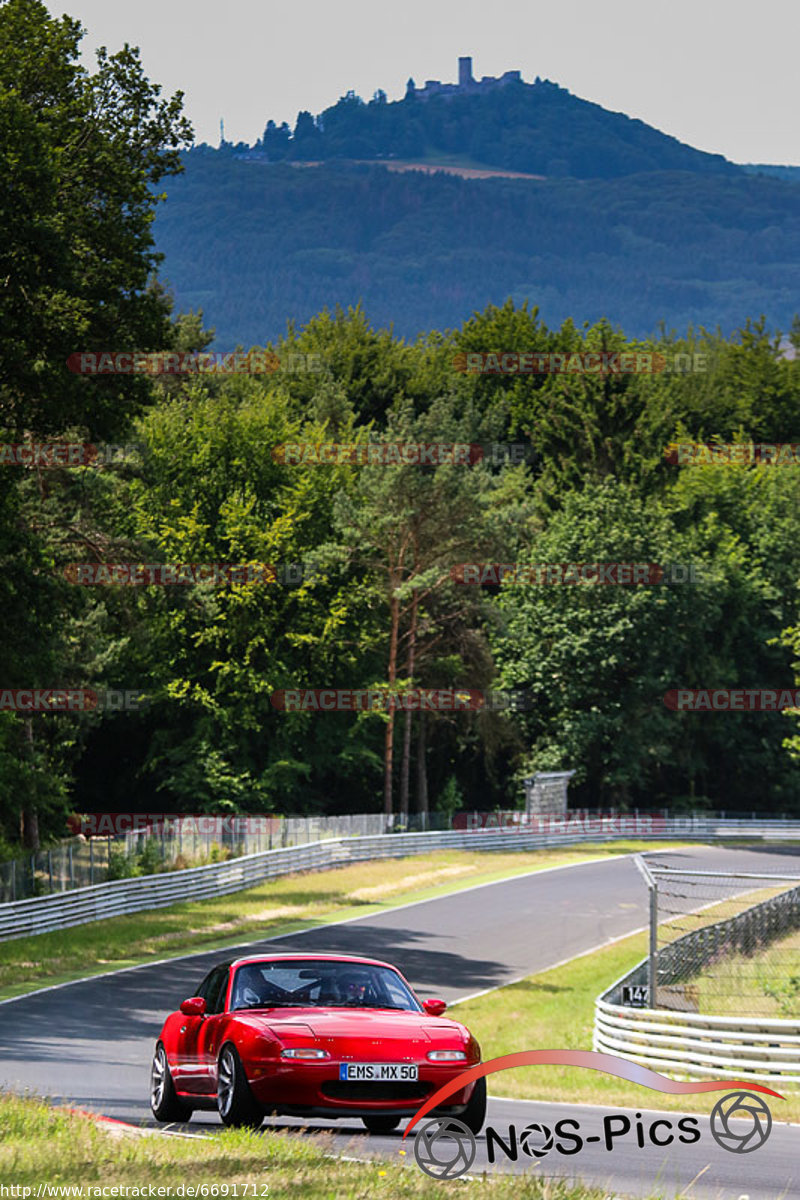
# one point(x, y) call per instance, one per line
point(356, 988)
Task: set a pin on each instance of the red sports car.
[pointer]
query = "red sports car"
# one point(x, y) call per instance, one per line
point(311, 1036)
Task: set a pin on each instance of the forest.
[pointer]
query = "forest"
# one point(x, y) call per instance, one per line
point(257, 243)
point(181, 559)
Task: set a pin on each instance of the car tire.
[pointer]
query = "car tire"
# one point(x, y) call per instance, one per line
point(235, 1102)
point(474, 1114)
point(379, 1124)
point(164, 1101)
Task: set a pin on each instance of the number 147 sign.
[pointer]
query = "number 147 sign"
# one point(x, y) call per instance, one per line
point(635, 995)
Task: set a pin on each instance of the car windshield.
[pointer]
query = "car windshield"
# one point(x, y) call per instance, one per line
point(319, 984)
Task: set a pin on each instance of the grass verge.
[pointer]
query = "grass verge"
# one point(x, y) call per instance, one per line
point(768, 983)
point(555, 1010)
point(274, 907)
point(41, 1145)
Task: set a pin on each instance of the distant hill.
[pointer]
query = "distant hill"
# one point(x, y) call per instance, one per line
point(790, 173)
point(403, 206)
point(256, 244)
point(537, 128)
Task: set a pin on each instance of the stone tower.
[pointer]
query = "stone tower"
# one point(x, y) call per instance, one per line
point(465, 72)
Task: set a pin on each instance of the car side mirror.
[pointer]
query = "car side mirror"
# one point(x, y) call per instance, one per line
point(433, 1007)
point(195, 1006)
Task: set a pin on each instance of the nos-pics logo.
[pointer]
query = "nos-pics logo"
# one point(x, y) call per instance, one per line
point(445, 1147)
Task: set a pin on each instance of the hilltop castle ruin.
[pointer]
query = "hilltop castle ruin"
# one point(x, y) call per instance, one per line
point(466, 85)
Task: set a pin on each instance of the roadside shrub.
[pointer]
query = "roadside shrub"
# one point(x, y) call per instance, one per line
point(121, 865)
point(150, 860)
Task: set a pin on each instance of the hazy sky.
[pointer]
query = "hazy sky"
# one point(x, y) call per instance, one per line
point(720, 74)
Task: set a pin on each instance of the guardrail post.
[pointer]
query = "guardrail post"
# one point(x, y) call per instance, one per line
point(91, 861)
point(652, 965)
point(13, 879)
point(71, 868)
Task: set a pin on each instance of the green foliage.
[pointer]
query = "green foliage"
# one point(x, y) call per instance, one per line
point(599, 660)
point(377, 543)
point(149, 860)
point(450, 799)
point(785, 993)
point(80, 156)
point(121, 865)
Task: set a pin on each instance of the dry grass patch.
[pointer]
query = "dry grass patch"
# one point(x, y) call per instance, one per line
point(424, 879)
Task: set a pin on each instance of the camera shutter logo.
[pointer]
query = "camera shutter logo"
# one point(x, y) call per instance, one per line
point(733, 1107)
point(536, 1140)
point(444, 1148)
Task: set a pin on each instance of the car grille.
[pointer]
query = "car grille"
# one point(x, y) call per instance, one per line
point(340, 1089)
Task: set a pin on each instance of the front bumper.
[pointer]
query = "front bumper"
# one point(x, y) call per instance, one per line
point(314, 1089)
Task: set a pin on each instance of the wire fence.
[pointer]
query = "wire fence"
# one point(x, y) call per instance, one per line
point(724, 944)
point(75, 862)
point(175, 843)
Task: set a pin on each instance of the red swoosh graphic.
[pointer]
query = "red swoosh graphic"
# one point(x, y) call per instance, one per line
point(609, 1064)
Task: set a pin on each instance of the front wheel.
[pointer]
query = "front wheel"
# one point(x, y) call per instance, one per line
point(381, 1124)
point(163, 1099)
point(475, 1113)
point(234, 1099)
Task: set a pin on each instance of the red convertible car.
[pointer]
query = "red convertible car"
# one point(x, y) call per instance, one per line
point(311, 1036)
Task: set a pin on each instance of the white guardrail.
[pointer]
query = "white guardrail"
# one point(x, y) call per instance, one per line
point(758, 1048)
point(123, 896)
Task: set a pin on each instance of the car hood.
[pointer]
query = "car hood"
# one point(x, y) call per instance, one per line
point(331, 1024)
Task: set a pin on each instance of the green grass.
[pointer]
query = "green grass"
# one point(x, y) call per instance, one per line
point(766, 984)
point(274, 907)
point(555, 1010)
point(42, 1145)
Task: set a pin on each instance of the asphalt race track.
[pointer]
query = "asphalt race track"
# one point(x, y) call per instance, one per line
point(90, 1043)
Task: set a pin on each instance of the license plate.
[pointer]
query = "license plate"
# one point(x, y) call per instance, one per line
point(379, 1072)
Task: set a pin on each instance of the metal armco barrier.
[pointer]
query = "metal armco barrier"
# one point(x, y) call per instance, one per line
point(758, 1048)
point(124, 896)
point(697, 1044)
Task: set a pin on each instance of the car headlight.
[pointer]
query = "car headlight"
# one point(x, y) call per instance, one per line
point(447, 1055)
point(305, 1052)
